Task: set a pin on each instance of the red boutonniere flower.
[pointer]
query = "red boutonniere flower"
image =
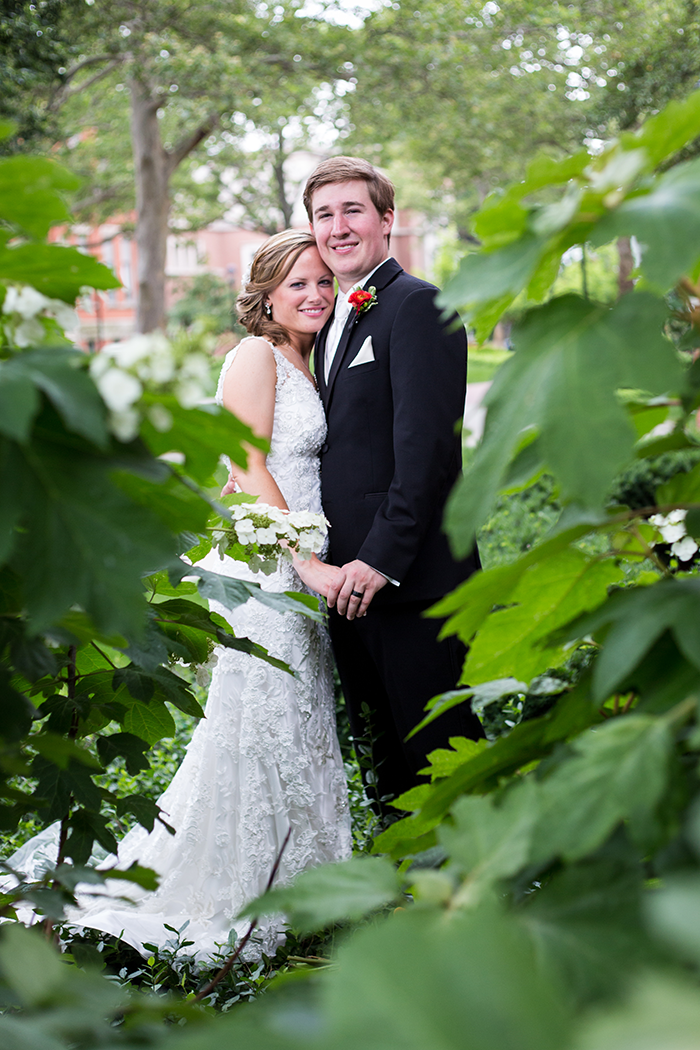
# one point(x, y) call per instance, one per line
point(362, 301)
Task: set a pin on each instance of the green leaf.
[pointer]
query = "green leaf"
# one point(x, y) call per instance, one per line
point(664, 134)
point(19, 403)
point(60, 375)
point(661, 1013)
point(527, 742)
point(586, 923)
point(231, 592)
point(489, 842)
point(150, 721)
point(488, 279)
point(618, 769)
point(467, 982)
point(674, 912)
point(202, 435)
point(666, 223)
point(549, 594)
point(62, 751)
point(332, 893)
point(85, 827)
point(443, 761)
point(147, 878)
point(490, 691)
point(125, 745)
point(178, 507)
point(55, 271)
point(572, 358)
point(634, 620)
point(24, 952)
point(144, 809)
point(31, 193)
point(683, 487)
point(83, 542)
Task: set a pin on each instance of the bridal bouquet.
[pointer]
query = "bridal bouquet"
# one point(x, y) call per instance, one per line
point(260, 535)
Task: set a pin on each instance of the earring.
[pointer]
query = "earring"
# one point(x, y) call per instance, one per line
point(268, 309)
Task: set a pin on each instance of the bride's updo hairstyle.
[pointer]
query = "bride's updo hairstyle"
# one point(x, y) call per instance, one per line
point(271, 264)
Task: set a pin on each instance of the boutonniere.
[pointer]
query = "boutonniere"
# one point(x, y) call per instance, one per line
point(362, 301)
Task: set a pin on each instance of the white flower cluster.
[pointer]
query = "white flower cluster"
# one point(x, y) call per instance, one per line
point(261, 535)
point(122, 371)
point(24, 308)
point(673, 530)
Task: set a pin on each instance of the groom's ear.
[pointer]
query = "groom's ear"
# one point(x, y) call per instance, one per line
point(387, 222)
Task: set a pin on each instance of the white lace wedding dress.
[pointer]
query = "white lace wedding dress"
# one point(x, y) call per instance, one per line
point(264, 759)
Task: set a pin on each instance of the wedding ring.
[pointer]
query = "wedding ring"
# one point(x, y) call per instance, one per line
point(358, 594)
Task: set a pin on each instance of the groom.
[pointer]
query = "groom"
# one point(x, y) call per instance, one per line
point(392, 378)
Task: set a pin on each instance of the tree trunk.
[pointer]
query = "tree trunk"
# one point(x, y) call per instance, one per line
point(152, 174)
point(285, 206)
point(625, 266)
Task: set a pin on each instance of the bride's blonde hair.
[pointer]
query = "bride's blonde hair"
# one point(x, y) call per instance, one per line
point(271, 264)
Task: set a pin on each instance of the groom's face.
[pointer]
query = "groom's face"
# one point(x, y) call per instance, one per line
point(350, 233)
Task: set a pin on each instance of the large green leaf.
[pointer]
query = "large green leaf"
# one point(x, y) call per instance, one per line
point(202, 435)
point(151, 722)
point(666, 223)
point(19, 402)
point(633, 620)
point(31, 193)
point(491, 279)
point(60, 376)
point(480, 772)
point(662, 1012)
point(487, 841)
point(332, 893)
point(586, 922)
point(572, 356)
point(55, 271)
point(618, 769)
point(232, 593)
point(549, 593)
point(462, 982)
point(83, 541)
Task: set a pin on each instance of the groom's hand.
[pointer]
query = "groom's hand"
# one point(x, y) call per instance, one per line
point(361, 578)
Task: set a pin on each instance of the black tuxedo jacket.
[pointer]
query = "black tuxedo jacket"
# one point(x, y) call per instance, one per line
point(393, 450)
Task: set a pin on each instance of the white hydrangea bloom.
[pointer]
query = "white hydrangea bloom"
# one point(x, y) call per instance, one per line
point(28, 332)
point(160, 417)
point(684, 549)
point(25, 301)
point(245, 530)
point(125, 425)
point(266, 536)
point(119, 389)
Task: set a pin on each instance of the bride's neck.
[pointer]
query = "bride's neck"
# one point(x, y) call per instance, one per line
point(302, 346)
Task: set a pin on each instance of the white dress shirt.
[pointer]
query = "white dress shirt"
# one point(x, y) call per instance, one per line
point(340, 317)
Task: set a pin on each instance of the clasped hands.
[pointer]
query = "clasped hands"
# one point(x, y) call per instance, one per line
point(350, 587)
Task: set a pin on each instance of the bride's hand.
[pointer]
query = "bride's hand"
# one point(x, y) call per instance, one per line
point(230, 486)
point(317, 575)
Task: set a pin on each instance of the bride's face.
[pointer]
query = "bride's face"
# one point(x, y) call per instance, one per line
point(303, 302)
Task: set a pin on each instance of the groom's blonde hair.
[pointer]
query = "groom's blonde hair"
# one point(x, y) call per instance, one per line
point(345, 169)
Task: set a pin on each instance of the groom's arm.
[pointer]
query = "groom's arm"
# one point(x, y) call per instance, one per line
point(428, 379)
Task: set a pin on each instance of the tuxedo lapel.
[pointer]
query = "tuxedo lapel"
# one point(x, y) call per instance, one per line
point(340, 352)
point(320, 358)
point(381, 277)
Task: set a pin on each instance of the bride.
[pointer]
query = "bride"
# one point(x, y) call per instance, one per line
point(265, 758)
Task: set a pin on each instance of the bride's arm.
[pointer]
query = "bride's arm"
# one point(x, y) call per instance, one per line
point(249, 393)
